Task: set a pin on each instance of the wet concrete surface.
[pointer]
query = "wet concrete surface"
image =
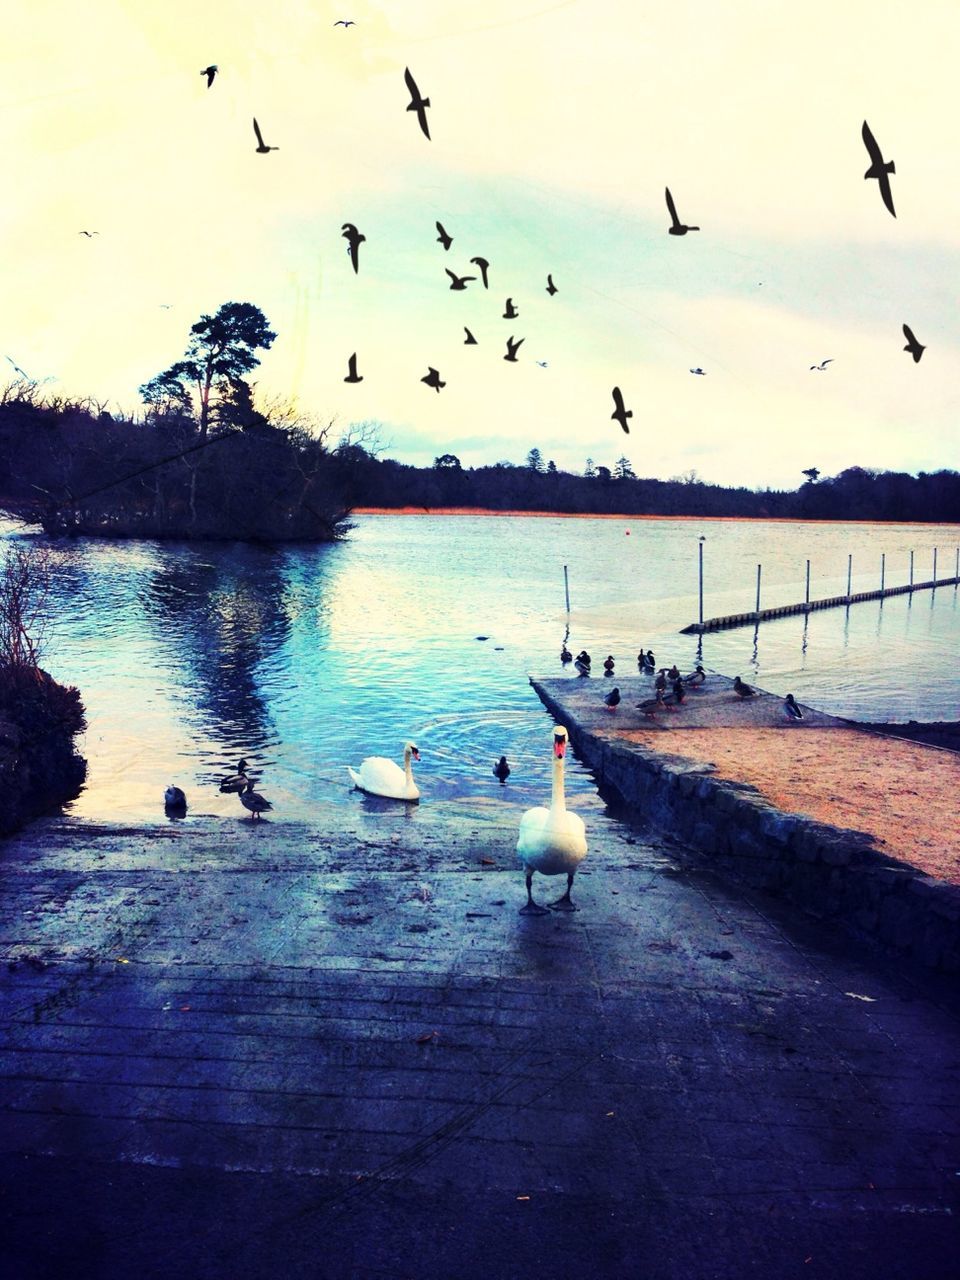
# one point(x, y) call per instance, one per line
point(260, 1049)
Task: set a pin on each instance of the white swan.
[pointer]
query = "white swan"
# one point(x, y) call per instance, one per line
point(552, 840)
point(381, 777)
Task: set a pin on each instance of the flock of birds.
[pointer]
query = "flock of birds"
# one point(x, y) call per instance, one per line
point(879, 170)
point(670, 686)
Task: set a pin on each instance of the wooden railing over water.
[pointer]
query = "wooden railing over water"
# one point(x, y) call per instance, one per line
point(808, 606)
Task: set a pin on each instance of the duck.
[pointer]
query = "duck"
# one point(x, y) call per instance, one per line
point(552, 841)
point(661, 680)
point(501, 769)
point(649, 660)
point(582, 667)
point(695, 678)
point(677, 694)
point(673, 673)
point(741, 689)
point(608, 665)
point(565, 654)
point(790, 708)
point(584, 657)
point(650, 706)
point(381, 777)
point(237, 781)
point(612, 699)
point(173, 798)
point(253, 801)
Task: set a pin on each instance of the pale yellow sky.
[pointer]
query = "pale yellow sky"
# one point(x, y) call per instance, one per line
point(555, 128)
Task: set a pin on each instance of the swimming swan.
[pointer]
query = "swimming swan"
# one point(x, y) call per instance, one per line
point(552, 841)
point(381, 777)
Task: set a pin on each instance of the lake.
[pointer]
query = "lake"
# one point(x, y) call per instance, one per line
point(305, 659)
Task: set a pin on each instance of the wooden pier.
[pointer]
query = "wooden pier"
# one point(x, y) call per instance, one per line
point(808, 606)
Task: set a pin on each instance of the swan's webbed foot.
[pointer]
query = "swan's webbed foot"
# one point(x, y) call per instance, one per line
point(532, 908)
point(565, 903)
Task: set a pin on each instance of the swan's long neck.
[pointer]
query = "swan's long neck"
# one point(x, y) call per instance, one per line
point(557, 799)
point(407, 766)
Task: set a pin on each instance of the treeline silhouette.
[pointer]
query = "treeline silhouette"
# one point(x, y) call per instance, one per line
point(75, 468)
point(857, 493)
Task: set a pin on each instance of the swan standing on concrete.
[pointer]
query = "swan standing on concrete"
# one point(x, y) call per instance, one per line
point(381, 777)
point(552, 841)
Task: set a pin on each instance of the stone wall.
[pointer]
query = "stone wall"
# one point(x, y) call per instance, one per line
point(832, 872)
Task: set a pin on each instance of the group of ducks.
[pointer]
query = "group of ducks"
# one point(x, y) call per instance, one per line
point(175, 800)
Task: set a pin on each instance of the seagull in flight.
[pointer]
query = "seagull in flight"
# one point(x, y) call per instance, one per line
point(823, 364)
point(26, 377)
point(469, 340)
point(484, 266)
point(262, 147)
point(511, 312)
point(354, 240)
point(512, 349)
point(88, 234)
point(345, 22)
point(620, 414)
point(915, 348)
point(458, 282)
point(551, 287)
point(542, 364)
point(352, 376)
point(433, 379)
point(878, 169)
point(443, 238)
point(210, 72)
point(702, 373)
point(678, 228)
point(417, 104)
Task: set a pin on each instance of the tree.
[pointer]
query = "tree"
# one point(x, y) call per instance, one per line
point(551, 468)
point(623, 469)
point(535, 461)
point(222, 348)
point(589, 470)
point(447, 461)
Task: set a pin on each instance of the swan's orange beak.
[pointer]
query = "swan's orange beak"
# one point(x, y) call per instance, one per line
point(559, 745)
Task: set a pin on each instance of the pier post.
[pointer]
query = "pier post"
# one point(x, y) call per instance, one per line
point(566, 587)
point(759, 567)
point(956, 567)
point(883, 568)
point(911, 570)
point(934, 567)
point(806, 602)
point(702, 541)
point(849, 573)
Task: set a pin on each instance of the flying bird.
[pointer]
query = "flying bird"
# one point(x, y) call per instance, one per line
point(823, 364)
point(702, 373)
point(354, 240)
point(417, 104)
point(88, 234)
point(469, 340)
point(812, 473)
point(678, 228)
point(513, 348)
point(210, 72)
point(878, 169)
point(26, 377)
point(915, 348)
point(345, 22)
point(262, 147)
point(511, 312)
point(353, 376)
point(484, 265)
point(458, 282)
point(542, 364)
point(551, 287)
point(443, 238)
point(433, 379)
point(620, 414)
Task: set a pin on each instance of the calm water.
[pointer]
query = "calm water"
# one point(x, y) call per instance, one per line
point(307, 659)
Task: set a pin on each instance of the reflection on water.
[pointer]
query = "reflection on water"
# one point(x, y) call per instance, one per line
point(305, 659)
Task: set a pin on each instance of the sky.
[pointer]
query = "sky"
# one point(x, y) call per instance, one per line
point(555, 128)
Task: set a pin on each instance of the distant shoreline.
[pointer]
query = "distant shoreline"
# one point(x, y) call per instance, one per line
point(607, 515)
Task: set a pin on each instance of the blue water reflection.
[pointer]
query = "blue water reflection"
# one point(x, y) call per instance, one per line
point(305, 659)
